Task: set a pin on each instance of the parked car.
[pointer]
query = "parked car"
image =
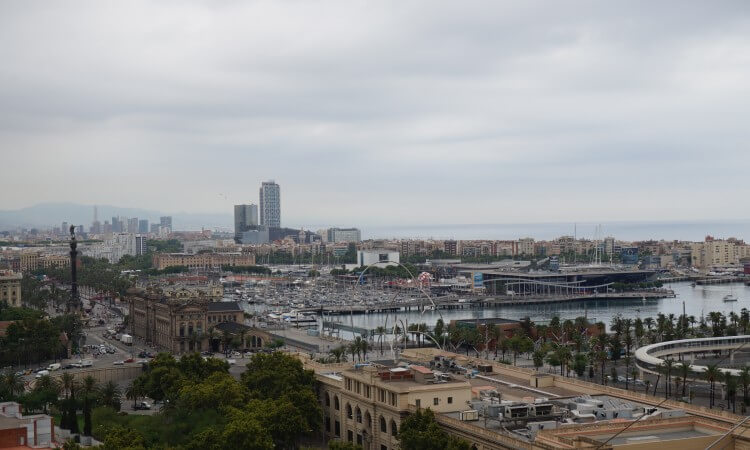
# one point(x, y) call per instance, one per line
point(42, 373)
point(118, 363)
point(129, 360)
point(142, 405)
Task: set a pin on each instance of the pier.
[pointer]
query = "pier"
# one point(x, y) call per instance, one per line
point(480, 302)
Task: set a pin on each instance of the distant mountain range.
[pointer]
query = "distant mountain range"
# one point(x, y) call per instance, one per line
point(45, 215)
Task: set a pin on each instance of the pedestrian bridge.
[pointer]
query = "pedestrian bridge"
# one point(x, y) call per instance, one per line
point(650, 357)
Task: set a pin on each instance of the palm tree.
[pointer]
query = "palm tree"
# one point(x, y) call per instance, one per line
point(684, 370)
point(69, 420)
point(89, 386)
point(380, 331)
point(363, 345)
point(668, 365)
point(13, 383)
point(49, 389)
point(339, 353)
point(712, 374)
point(109, 395)
point(628, 359)
point(353, 349)
point(731, 383)
point(132, 393)
point(744, 379)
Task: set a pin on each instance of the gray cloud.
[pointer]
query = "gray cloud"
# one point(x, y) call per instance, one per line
point(380, 112)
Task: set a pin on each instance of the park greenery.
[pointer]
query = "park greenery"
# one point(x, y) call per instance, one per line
point(273, 405)
point(164, 246)
point(420, 431)
point(32, 338)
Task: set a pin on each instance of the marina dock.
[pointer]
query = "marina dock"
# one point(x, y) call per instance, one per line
point(482, 302)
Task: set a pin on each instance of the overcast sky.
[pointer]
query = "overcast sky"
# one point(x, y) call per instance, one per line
point(378, 112)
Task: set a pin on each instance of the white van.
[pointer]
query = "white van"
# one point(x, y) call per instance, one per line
point(42, 373)
point(53, 367)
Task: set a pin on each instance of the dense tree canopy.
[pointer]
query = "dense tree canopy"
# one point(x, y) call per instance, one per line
point(420, 431)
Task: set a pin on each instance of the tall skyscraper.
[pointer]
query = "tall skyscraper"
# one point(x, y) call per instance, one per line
point(270, 204)
point(143, 226)
point(245, 216)
point(140, 245)
point(166, 222)
point(133, 225)
point(117, 225)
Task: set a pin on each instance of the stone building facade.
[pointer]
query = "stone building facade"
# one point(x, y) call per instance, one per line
point(203, 260)
point(185, 324)
point(365, 405)
point(10, 288)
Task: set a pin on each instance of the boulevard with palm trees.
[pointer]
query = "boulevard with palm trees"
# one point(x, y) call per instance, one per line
point(585, 350)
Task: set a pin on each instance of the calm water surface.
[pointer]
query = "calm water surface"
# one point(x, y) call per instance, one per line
point(698, 301)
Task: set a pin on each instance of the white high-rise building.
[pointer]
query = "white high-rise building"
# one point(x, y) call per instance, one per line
point(270, 204)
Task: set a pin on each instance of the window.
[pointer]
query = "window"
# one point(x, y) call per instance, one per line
point(435, 401)
point(358, 414)
point(419, 403)
point(450, 400)
point(337, 431)
point(383, 427)
point(359, 439)
point(394, 430)
point(383, 447)
point(328, 424)
point(349, 436)
point(328, 400)
point(348, 411)
point(336, 403)
point(367, 391)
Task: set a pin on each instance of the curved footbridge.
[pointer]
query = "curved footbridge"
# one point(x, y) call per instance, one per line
point(650, 357)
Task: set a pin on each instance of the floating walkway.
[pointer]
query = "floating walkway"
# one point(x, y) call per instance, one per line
point(484, 302)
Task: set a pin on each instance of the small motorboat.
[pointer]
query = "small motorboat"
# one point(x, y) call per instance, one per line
point(730, 298)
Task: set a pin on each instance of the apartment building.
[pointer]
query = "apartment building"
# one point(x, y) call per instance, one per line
point(203, 260)
point(36, 260)
point(365, 404)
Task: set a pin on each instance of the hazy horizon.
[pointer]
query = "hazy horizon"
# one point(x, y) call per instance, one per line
point(375, 113)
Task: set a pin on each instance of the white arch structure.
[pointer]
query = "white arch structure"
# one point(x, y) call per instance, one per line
point(650, 357)
point(393, 301)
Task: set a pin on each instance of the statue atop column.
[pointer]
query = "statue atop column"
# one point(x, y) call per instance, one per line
point(74, 303)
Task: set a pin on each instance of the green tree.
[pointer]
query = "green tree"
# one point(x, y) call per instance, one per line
point(120, 438)
point(339, 353)
point(88, 390)
point(110, 395)
point(420, 431)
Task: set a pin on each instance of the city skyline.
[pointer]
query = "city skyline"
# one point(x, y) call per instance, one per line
point(500, 113)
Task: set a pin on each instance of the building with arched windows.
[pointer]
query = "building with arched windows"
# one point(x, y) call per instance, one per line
point(365, 403)
point(182, 324)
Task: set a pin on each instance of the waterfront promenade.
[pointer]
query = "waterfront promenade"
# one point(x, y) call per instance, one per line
point(480, 302)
